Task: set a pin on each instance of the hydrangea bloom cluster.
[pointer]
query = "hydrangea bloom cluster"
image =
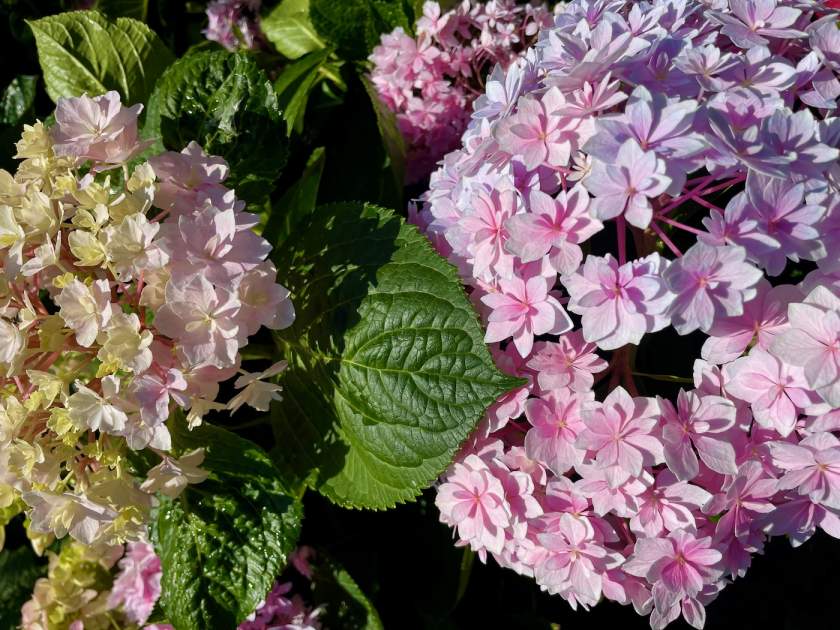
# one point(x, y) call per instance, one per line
point(431, 80)
point(708, 131)
point(235, 24)
point(125, 293)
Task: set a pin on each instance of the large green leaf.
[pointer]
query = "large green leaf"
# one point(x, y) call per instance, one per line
point(289, 28)
point(19, 568)
point(355, 26)
point(226, 103)
point(83, 51)
point(388, 371)
point(223, 542)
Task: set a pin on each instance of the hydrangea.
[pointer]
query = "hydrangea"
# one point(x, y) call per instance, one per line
point(664, 166)
point(123, 299)
point(234, 23)
point(430, 81)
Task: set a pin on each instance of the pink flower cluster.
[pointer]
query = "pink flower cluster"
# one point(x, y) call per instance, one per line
point(430, 81)
point(234, 23)
point(125, 293)
point(646, 115)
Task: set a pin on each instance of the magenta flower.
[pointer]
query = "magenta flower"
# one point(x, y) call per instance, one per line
point(553, 227)
point(186, 176)
point(709, 283)
point(542, 131)
point(137, 586)
point(473, 500)
point(234, 23)
point(523, 309)
point(811, 468)
point(619, 304)
point(667, 505)
point(487, 232)
point(622, 500)
point(627, 185)
point(98, 128)
point(778, 207)
point(763, 319)
point(777, 392)
point(666, 128)
point(575, 562)
point(742, 499)
point(620, 433)
point(813, 342)
point(570, 362)
point(202, 317)
point(678, 566)
point(752, 22)
point(695, 425)
point(556, 422)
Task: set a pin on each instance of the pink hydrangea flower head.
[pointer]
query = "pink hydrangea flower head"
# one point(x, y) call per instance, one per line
point(543, 132)
point(569, 363)
point(473, 500)
point(556, 421)
point(619, 303)
point(137, 586)
point(553, 227)
point(810, 468)
point(709, 283)
point(522, 309)
point(813, 342)
point(777, 392)
point(100, 129)
point(677, 566)
point(626, 186)
point(763, 319)
point(621, 432)
point(698, 423)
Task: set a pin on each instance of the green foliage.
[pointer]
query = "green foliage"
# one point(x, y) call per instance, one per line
point(19, 568)
point(83, 51)
point(289, 28)
point(297, 203)
point(17, 106)
point(392, 138)
point(388, 368)
point(354, 26)
point(223, 542)
point(226, 103)
point(136, 9)
point(345, 605)
point(294, 85)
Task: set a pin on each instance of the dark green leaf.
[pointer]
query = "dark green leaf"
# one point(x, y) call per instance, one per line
point(297, 203)
point(345, 605)
point(223, 542)
point(355, 26)
point(226, 103)
point(392, 139)
point(289, 28)
point(83, 51)
point(388, 371)
point(294, 85)
point(19, 568)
